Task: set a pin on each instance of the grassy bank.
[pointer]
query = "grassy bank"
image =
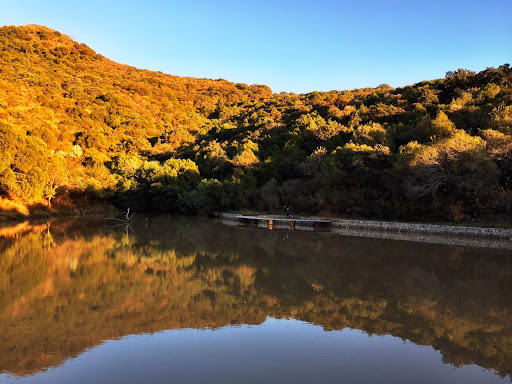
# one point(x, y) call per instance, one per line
point(11, 210)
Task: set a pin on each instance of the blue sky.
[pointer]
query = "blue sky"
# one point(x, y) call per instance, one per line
point(293, 46)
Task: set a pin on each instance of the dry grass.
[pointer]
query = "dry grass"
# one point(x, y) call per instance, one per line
point(10, 209)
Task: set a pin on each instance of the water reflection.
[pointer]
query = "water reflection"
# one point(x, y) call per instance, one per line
point(66, 286)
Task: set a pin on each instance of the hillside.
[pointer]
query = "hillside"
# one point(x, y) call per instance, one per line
point(75, 126)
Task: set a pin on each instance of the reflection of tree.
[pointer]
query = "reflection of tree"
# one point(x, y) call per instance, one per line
point(58, 298)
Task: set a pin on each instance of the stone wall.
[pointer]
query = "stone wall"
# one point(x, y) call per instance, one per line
point(431, 229)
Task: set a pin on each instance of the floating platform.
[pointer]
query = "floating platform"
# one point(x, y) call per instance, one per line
point(277, 222)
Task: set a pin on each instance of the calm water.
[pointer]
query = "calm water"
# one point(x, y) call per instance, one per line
point(187, 300)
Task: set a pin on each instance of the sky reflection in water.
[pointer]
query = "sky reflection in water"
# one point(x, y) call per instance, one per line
point(279, 350)
point(190, 300)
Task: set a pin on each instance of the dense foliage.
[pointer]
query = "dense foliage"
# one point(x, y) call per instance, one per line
point(72, 120)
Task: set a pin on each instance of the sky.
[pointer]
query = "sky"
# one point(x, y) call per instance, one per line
point(289, 45)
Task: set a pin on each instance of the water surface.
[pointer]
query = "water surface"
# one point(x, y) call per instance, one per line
point(191, 300)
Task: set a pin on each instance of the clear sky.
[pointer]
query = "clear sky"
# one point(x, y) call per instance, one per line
point(293, 46)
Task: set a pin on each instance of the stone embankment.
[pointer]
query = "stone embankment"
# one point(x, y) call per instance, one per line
point(430, 229)
point(429, 233)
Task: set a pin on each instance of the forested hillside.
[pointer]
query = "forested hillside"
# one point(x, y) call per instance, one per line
point(75, 124)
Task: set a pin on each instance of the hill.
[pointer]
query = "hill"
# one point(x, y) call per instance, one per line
point(75, 126)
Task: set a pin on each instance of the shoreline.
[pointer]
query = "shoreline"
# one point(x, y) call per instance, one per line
point(429, 233)
point(394, 226)
point(335, 222)
point(430, 229)
point(39, 213)
point(419, 232)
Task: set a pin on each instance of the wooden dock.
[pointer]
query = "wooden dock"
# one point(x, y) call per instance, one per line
point(271, 222)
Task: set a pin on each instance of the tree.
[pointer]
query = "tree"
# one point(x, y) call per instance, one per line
point(370, 134)
point(246, 156)
point(501, 119)
point(457, 169)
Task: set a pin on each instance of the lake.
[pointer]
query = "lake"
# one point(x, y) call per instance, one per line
point(191, 300)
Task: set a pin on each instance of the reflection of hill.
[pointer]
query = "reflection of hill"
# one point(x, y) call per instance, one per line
point(65, 290)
